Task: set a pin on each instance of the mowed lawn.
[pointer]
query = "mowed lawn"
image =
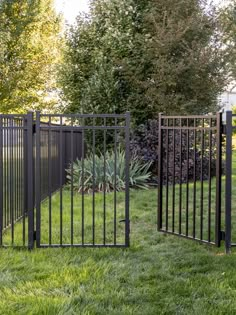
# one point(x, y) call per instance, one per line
point(158, 274)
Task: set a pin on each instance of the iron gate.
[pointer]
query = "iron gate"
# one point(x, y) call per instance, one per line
point(41, 199)
point(190, 167)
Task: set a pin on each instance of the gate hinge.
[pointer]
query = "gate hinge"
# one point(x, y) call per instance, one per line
point(34, 235)
point(222, 235)
point(125, 221)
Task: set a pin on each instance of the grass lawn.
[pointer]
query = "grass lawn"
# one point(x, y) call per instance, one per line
point(158, 274)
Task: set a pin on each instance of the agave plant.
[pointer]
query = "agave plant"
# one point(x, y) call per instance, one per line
point(98, 172)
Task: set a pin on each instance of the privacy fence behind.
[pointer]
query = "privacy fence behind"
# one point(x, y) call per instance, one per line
point(55, 155)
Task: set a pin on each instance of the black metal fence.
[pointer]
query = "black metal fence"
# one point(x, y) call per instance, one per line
point(189, 198)
point(12, 174)
point(39, 203)
point(17, 169)
point(47, 161)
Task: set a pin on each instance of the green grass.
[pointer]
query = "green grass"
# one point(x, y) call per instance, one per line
point(158, 274)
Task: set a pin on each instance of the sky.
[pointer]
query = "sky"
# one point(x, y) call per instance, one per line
point(71, 8)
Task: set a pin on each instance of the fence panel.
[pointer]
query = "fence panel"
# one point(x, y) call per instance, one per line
point(13, 181)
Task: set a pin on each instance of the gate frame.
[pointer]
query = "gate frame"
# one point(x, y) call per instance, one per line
point(37, 170)
point(219, 234)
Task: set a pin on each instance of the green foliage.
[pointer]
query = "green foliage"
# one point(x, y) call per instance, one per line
point(138, 176)
point(146, 57)
point(228, 29)
point(29, 42)
point(189, 65)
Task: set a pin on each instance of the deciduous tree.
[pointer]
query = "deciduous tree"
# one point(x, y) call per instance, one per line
point(146, 57)
point(29, 42)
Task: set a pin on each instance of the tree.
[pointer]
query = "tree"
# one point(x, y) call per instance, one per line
point(189, 68)
point(228, 30)
point(146, 57)
point(29, 42)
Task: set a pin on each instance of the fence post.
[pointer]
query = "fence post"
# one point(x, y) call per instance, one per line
point(30, 183)
point(1, 178)
point(127, 156)
point(38, 179)
point(159, 213)
point(218, 180)
point(228, 181)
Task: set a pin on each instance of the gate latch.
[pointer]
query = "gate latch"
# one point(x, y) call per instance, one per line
point(122, 221)
point(222, 235)
point(34, 235)
point(34, 128)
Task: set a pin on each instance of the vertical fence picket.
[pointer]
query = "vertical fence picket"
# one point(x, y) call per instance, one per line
point(187, 180)
point(115, 182)
point(167, 176)
point(50, 180)
point(228, 182)
point(72, 184)
point(104, 180)
point(201, 179)
point(94, 179)
point(160, 190)
point(127, 161)
point(180, 178)
point(173, 181)
point(25, 175)
point(218, 181)
point(82, 179)
point(30, 183)
point(1, 179)
point(209, 182)
point(61, 181)
point(11, 195)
